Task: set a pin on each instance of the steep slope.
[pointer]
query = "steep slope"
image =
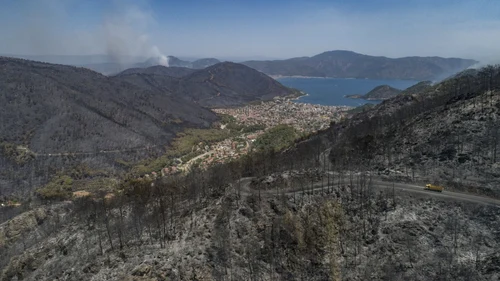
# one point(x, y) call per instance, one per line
point(448, 133)
point(216, 229)
point(56, 116)
point(60, 108)
point(347, 64)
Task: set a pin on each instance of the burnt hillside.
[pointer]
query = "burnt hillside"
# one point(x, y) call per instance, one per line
point(448, 133)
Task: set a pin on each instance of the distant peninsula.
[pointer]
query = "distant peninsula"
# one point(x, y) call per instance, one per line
point(382, 92)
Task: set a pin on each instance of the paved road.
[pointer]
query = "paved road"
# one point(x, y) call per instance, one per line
point(457, 196)
point(378, 184)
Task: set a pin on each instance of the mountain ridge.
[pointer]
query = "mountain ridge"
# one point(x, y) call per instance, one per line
point(110, 68)
point(219, 85)
point(349, 64)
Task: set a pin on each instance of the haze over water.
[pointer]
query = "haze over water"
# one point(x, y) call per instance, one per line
point(331, 91)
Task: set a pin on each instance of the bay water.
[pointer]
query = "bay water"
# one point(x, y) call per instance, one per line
point(331, 91)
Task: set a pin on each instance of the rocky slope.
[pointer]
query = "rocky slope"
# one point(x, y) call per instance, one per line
point(344, 232)
point(347, 64)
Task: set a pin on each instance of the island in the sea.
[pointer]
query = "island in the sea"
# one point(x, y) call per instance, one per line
point(382, 92)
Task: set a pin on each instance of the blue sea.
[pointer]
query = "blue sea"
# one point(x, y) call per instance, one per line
point(331, 91)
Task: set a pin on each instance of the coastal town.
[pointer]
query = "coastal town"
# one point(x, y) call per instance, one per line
point(304, 117)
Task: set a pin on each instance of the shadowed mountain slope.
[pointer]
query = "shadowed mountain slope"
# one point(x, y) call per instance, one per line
point(54, 116)
point(223, 84)
point(61, 108)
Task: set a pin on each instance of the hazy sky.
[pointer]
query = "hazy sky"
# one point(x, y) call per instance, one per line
point(251, 28)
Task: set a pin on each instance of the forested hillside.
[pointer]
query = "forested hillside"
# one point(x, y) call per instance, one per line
point(55, 117)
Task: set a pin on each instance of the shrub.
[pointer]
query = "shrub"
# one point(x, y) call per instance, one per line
point(59, 188)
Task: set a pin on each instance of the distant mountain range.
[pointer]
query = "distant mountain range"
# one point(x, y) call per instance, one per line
point(176, 62)
point(339, 64)
point(172, 71)
point(347, 64)
point(171, 61)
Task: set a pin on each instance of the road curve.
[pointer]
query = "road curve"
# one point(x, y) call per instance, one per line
point(245, 189)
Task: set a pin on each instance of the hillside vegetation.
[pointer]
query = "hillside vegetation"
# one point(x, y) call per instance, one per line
point(276, 138)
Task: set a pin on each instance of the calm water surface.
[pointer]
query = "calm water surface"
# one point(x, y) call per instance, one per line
point(331, 91)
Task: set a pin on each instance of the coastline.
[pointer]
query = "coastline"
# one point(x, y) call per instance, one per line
point(361, 97)
point(304, 94)
point(297, 97)
point(275, 77)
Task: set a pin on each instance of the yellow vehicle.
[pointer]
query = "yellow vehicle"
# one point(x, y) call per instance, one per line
point(434, 187)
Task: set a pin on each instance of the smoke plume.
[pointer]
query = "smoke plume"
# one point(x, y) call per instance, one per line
point(125, 33)
point(162, 59)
